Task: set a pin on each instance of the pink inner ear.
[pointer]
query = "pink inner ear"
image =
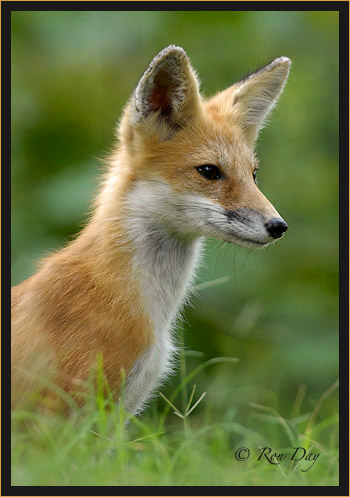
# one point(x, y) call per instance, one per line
point(160, 100)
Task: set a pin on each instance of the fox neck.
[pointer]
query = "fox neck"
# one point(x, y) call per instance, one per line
point(164, 261)
point(161, 264)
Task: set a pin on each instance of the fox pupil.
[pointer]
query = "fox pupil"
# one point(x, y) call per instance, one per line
point(209, 172)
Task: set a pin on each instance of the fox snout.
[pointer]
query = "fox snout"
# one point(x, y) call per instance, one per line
point(249, 226)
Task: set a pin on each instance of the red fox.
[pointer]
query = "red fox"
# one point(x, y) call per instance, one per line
point(184, 168)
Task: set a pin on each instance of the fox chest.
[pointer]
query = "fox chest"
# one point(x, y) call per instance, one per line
point(147, 373)
point(155, 362)
point(164, 286)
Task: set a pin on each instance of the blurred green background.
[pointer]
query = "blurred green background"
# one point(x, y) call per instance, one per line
point(277, 309)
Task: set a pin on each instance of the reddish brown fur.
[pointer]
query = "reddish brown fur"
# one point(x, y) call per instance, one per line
point(85, 300)
point(73, 308)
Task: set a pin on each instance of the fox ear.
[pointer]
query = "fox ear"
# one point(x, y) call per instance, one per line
point(256, 95)
point(167, 94)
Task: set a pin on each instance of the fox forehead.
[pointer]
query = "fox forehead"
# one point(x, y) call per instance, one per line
point(210, 139)
point(206, 141)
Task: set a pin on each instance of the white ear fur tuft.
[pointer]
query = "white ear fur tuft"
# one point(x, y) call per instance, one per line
point(256, 95)
point(168, 89)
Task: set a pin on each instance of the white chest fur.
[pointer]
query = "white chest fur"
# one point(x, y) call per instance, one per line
point(164, 264)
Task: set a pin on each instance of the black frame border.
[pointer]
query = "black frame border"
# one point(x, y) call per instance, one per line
point(343, 8)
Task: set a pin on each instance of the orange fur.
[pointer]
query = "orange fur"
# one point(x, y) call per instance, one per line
point(75, 307)
point(86, 299)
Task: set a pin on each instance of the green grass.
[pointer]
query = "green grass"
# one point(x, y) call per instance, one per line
point(180, 440)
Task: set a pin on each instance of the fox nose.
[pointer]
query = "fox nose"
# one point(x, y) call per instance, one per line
point(276, 227)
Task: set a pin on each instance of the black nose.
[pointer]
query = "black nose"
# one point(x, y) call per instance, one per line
point(276, 227)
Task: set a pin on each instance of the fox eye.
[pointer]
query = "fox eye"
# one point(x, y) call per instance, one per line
point(254, 177)
point(209, 172)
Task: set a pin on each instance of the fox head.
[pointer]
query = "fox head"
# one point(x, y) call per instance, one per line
point(192, 159)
